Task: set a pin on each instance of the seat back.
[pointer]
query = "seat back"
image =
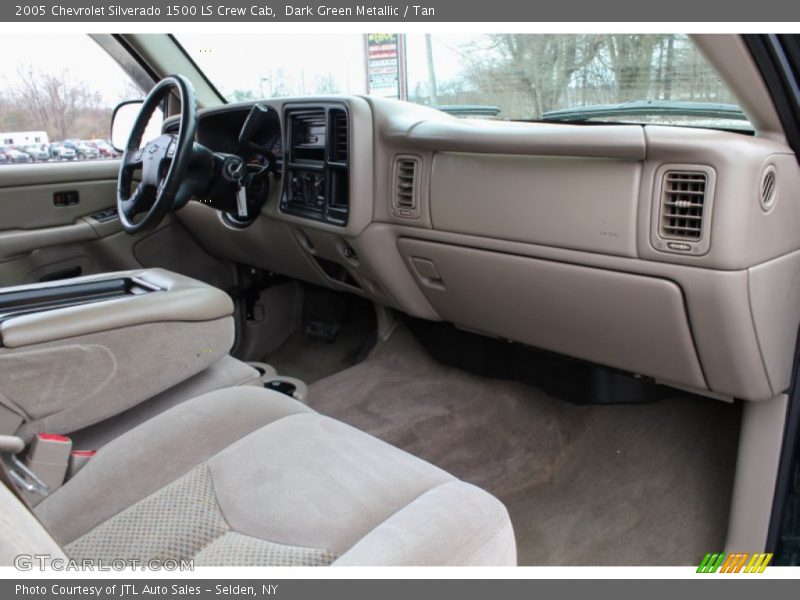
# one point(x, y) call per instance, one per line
point(21, 533)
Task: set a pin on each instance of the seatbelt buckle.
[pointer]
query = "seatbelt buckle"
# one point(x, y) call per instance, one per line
point(77, 460)
point(47, 459)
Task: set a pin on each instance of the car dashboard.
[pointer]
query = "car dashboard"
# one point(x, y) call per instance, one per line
point(666, 252)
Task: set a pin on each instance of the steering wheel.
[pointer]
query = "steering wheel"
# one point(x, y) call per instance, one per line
point(163, 161)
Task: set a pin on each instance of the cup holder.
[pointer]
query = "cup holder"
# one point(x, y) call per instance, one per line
point(287, 385)
point(265, 371)
point(279, 383)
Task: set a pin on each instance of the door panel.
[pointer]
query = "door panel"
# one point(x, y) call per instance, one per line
point(41, 241)
point(28, 192)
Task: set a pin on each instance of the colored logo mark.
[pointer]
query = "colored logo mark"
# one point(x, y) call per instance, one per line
point(736, 562)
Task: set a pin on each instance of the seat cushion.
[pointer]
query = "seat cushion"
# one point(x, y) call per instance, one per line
point(247, 476)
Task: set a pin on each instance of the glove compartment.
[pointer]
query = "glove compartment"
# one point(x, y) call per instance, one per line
point(632, 322)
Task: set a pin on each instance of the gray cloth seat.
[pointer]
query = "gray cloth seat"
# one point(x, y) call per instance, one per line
point(246, 476)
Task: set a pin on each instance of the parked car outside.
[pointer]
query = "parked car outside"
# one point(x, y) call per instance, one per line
point(37, 153)
point(84, 151)
point(104, 148)
point(60, 152)
point(81, 148)
point(14, 155)
point(3, 159)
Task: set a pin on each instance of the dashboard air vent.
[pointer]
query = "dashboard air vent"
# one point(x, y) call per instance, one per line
point(338, 135)
point(406, 195)
point(768, 189)
point(307, 134)
point(683, 200)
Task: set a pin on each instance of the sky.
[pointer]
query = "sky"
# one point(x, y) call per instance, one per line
point(233, 61)
point(77, 54)
point(251, 61)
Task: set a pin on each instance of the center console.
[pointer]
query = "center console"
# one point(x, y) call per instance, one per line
point(37, 299)
point(75, 352)
point(316, 162)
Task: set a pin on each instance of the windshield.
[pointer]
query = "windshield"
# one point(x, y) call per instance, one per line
point(505, 76)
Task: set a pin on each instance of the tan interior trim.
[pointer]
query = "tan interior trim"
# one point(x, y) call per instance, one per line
point(59, 173)
point(182, 299)
point(500, 137)
point(19, 241)
point(760, 443)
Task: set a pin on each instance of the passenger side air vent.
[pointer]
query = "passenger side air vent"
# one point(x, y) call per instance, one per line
point(405, 202)
point(684, 209)
point(338, 135)
point(769, 183)
point(683, 200)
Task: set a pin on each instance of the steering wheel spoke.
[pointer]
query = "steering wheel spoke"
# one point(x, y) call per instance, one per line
point(137, 203)
point(132, 160)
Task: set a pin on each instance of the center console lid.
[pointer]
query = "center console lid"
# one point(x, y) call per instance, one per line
point(44, 312)
point(75, 352)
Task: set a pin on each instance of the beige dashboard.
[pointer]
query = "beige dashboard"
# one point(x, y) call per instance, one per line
point(670, 253)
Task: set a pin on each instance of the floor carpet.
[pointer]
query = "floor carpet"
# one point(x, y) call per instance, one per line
point(310, 358)
point(645, 484)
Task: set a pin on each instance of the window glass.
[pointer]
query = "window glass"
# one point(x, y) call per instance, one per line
point(642, 78)
point(56, 99)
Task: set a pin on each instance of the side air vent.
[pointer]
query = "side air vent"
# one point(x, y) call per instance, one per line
point(683, 209)
point(338, 135)
point(683, 200)
point(406, 186)
point(769, 183)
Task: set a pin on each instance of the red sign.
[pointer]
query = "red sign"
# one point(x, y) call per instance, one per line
point(386, 65)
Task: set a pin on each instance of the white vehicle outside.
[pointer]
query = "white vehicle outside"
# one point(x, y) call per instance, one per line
point(23, 138)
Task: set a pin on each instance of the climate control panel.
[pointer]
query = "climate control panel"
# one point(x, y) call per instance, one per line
point(316, 162)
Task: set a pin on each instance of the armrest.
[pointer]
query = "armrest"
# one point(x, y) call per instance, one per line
point(178, 298)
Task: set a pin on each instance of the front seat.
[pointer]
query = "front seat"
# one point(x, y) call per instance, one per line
point(246, 476)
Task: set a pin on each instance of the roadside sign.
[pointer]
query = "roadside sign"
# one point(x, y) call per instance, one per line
point(386, 65)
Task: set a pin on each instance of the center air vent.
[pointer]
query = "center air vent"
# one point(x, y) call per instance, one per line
point(683, 210)
point(406, 190)
point(338, 135)
point(307, 129)
point(317, 172)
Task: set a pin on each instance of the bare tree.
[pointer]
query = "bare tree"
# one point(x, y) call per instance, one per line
point(56, 101)
point(538, 69)
point(632, 61)
point(326, 84)
point(528, 75)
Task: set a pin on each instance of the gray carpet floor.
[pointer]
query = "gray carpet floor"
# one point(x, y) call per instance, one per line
point(585, 485)
point(311, 359)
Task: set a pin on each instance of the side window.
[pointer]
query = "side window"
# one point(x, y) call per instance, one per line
point(56, 99)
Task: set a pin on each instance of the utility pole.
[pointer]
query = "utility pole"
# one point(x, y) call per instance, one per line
point(431, 70)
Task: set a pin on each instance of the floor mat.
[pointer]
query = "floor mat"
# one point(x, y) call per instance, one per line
point(585, 485)
point(310, 359)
